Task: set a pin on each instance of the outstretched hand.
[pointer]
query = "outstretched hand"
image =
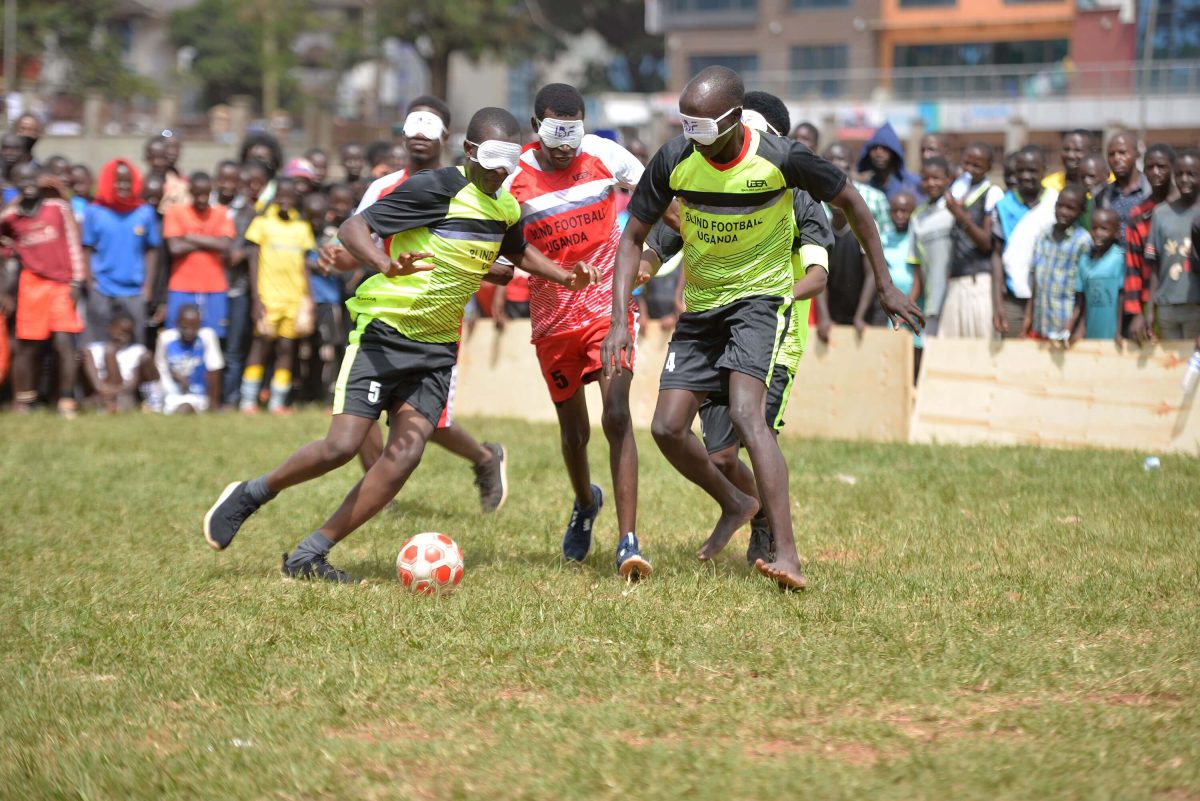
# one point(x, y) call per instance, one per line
point(583, 275)
point(409, 263)
point(616, 353)
point(900, 308)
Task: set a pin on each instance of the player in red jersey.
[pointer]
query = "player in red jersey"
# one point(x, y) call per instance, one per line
point(426, 129)
point(566, 187)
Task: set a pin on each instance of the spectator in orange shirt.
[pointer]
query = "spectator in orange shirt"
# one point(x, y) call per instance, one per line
point(199, 235)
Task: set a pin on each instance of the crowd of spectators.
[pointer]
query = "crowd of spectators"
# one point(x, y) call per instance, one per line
point(133, 285)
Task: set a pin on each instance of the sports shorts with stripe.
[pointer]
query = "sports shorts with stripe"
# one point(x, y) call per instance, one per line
point(383, 369)
point(744, 336)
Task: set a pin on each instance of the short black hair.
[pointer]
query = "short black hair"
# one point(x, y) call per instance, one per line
point(1086, 134)
point(283, 181)
point(1164, 149)
point(1188, 153)
point(772, 109)
point(156, 139)
point(342, 150)
point(224, 163)
point(199, 175)
point(187, 307)
point(257, 165)
point(257, 138)
point(313, 199)
point(983, 147)
point(1032, 150)
point(378, 152)
point(438, 105)
point(561, 97)
point(313, 151)
point(491, 117)
point(1074, 189)
point(937, 161)
point(808, 126)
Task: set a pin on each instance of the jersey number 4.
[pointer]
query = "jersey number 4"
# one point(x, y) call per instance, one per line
point(670, 361)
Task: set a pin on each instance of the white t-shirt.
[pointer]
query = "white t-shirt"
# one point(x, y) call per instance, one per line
point(127, 359)
point(173, 357)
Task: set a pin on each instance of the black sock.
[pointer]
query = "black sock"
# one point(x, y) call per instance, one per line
point(760, 516)
point(314, 545)
point(258, 491)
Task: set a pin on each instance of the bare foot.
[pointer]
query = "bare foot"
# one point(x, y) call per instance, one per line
point(789, 575)
point(727, 525)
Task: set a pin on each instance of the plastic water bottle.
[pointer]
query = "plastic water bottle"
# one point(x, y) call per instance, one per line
point(1192, 374)
point(1152, 463)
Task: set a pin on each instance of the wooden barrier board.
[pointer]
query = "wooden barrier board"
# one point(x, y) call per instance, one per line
point(849, 389)
point(1024, 392)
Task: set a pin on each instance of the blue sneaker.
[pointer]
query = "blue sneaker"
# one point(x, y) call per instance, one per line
point(630, 563)
point(578, 539)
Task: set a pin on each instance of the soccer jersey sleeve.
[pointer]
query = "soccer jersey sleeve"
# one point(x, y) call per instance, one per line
point(213, 359)
point(419, 202)
point(624, 165)
point(812, 225)
point(254, 234)
point(664, 240)
point(805, 170)
point(654, 192)
point(513, 243)
point(153, 231)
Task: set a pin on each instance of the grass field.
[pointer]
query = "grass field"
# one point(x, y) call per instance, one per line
point(980, 624)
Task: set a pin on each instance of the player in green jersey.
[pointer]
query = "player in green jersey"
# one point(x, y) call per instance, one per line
point(448, 227)
point(734, 188)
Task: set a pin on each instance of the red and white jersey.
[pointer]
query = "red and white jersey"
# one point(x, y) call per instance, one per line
point(382, 187)
point(570, 215)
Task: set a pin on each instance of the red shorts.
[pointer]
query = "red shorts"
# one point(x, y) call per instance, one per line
point(44, 307)
point(572, 359)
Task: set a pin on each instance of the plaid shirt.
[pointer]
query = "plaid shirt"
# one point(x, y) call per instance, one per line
point(877, 204)
point(1137, 272)
point(1055, 269)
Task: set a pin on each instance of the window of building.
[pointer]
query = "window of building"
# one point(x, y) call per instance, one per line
point(806, 5)
point(818, 61)
point(742, 63)
point(973, 66)
point(693, 6)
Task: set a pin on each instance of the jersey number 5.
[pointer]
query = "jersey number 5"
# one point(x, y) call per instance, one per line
point(373, 392)
point(560, 380)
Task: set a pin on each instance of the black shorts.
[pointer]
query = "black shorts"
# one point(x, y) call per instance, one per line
point(716, 426)
point(385, 369)
point(744, 336)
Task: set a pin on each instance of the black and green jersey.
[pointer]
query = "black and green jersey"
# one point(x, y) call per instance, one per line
point(438, 212)
point(736, 219)
point(810, 248)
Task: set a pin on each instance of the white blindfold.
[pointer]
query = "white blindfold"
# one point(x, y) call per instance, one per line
point(495, 155)
point(424, 124)
point(703, 130)
point(560, 133)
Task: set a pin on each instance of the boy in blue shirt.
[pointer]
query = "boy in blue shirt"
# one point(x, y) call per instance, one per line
point(189, 364)
point(1101, 277)
point(122, 237)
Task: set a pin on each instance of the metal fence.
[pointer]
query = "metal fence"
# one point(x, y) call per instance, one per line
point(1031, 81)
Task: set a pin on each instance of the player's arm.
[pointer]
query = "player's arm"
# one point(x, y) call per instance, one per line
point(534, 262)
point(8, 286)
point(499, 273)
point(256, 307)
point(894, 302)
point(805, 170)
point(93, 375)
point(216, 244)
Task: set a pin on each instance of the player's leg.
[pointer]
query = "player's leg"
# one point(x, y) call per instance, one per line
point(408, 431)
point(281, 379)
point(23, 373)
point(747, 408)
point(489, 460)
point(673, 416)
point(623, 464)
point(363, 387)
point(252, 375)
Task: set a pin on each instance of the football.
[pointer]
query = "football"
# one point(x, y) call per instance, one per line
point(430, 564)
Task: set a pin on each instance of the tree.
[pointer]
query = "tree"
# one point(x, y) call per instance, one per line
point(638, 65)
point(440, 28)
point(78, 33)
point(242, 46)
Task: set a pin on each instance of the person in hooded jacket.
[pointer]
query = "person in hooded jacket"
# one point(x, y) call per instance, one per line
point(882, 159)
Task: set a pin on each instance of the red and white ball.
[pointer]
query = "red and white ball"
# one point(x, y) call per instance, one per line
point(430, 564)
